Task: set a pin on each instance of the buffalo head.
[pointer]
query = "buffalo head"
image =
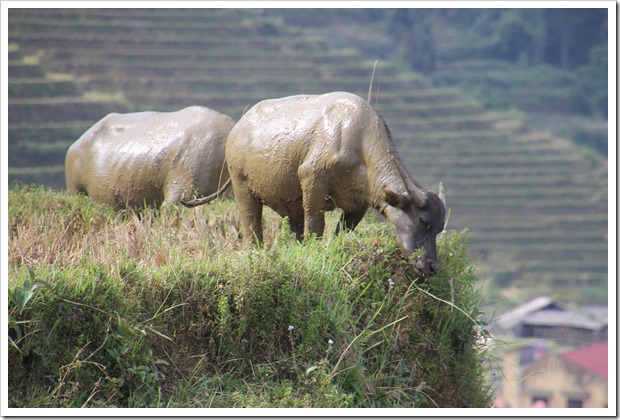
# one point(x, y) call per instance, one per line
point(417, 220)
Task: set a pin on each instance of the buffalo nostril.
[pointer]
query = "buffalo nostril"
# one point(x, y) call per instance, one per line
point(433, 267)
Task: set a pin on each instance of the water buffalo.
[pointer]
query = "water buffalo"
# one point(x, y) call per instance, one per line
point(304, 155)
point(150, 158)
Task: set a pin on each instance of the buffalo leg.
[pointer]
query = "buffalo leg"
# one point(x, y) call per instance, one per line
point(297, 227)
point(314, 212)
point(314, 220)
point(175, 187)
point(250, 212)
point(349, 220)
point(314, 190)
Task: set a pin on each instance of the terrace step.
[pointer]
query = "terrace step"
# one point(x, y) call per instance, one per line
point(60, 109)
point(18, 69)
point(41, 88)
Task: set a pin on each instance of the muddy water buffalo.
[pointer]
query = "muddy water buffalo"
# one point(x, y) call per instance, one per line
point(150, 158)
point(304, 155)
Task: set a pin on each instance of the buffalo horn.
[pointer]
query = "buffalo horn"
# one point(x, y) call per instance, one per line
point(441, 193)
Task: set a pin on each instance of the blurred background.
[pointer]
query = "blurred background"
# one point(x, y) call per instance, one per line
point(506, 107)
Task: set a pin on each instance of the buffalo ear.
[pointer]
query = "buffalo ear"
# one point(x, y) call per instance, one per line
point(396, 199)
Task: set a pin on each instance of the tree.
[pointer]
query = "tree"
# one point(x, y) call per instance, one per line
point(412, 29)
point(572, 33)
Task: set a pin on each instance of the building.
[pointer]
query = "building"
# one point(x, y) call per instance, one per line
point(544, 318)
point(556, 357)
point(574, 378)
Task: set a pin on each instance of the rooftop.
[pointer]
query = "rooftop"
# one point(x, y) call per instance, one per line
point(514, 316)
point(544, 311)
point(565, 318)
point(592, 358)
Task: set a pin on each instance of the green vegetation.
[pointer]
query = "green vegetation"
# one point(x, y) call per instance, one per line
point(169, 309)
point(503, 124)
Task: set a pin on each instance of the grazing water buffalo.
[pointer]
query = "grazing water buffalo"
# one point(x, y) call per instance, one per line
point(304, 155)
point(150, 158)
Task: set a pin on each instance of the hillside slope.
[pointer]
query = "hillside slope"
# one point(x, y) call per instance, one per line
point(536, 205)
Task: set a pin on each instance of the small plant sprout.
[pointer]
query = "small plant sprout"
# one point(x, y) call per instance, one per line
point(290, 336)
point(330, 344)
point(390, 284)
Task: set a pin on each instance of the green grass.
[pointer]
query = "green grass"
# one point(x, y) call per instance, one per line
point(169, 309)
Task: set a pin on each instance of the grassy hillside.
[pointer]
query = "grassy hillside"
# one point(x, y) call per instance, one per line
point(535, 204)
point(169, 309)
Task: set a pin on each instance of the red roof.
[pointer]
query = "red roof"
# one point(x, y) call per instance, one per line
point(592, 358)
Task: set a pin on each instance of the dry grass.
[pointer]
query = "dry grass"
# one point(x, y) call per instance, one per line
point(74, 229)
point(80, 230)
